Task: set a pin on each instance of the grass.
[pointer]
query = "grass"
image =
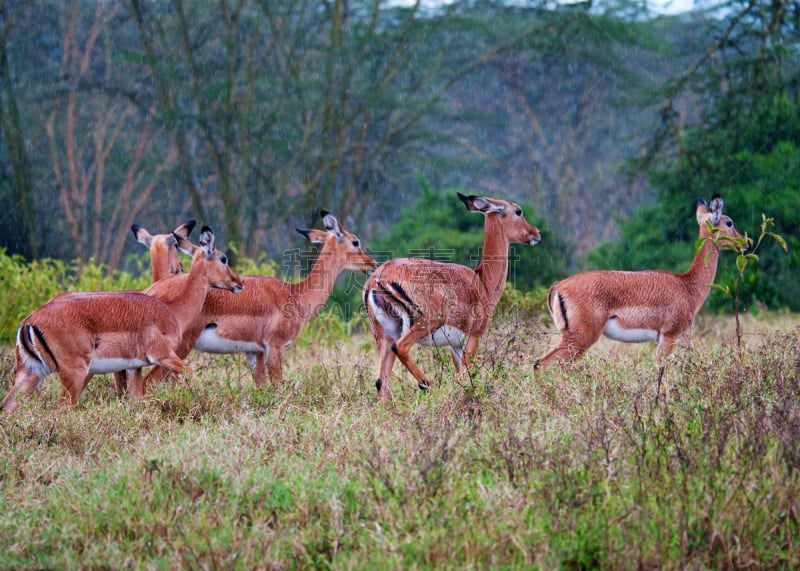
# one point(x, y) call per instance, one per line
point(586, 467)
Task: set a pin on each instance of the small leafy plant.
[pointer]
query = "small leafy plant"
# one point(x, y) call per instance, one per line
point(746, 255)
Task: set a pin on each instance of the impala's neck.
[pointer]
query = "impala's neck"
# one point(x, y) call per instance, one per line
point(311, 293)
point(188, 301)
point(159, 272)
point(703, 270)
point(493, 267)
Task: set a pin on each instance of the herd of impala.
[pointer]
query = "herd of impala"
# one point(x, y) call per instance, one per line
point(410, 301)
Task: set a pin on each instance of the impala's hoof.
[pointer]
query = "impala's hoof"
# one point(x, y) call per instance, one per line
point(378, 385)
point(536, 364)
point(423, 386)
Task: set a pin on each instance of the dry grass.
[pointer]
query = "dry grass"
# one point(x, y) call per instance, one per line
point(586, 467)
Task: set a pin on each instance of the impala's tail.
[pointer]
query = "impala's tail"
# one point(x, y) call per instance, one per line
point(558, 309)
point(34, 352)
point(34, 361)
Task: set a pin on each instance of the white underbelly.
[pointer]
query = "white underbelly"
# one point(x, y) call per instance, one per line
point(445, 336)
point(612, 330)
point(210, 342)
point(101, 366)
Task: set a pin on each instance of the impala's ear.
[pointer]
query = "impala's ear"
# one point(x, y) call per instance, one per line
point(332, 225)
point(716, 209)
point(171, 241)
point(313, 236)
point(185, 229)
point(207, 241)
point(480, 204)
point(185, 245)
point(702, 210)
point(142, 236)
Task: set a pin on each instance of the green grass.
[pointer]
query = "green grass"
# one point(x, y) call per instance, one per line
point(586, 467)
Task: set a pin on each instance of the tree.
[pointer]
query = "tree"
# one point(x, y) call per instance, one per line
point(745, 146)
point(16, 185)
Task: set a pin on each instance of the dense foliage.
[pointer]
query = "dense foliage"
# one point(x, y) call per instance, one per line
point(757, 171)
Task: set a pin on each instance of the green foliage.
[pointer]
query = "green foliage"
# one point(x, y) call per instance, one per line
point(438, 227)
point(757, 172)
point(24, 286)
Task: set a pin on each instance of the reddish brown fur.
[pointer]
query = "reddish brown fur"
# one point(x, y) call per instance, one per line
point(438, 294)
point(80, 327)
point(656, 300)
point(165, 261)
point(269, 313)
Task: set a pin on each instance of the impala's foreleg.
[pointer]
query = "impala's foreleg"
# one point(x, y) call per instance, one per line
point(121, 382)
point(275, 362)
point(464, 356)
point(257, 361)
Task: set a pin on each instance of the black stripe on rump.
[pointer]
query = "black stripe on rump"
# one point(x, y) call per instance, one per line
point(387, 308)
point(22, 335)
point(40, 337)
point(397, 287)
point(563, 311)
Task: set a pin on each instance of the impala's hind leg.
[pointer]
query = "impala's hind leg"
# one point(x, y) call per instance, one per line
point(74, 377)
point(25, 383)
point(403, 347)
point(386, 363)
point(571, 346)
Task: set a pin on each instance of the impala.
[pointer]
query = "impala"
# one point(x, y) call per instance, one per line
point(650, 305)
point(415, 301)
point(78, 335)
point(165, 260)
point(268, 315)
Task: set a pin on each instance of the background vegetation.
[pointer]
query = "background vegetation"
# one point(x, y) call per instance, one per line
point(606, 120)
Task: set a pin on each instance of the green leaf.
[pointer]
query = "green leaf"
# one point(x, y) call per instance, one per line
point(699, 244)
point(780, 240)
point(723, 289)
point(741, 263)
point(752, 257)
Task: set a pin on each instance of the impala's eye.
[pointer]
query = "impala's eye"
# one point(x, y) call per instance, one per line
point(224, 259)
point(356, 244)
point(729, 223)
point(518, 212)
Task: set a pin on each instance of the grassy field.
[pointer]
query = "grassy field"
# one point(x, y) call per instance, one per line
point(586, 467)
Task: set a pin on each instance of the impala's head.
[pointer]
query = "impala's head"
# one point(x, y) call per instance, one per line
point(215, 263)
point(721, 222)
point(515, 227)
point(338, 242)
point(165, 260)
